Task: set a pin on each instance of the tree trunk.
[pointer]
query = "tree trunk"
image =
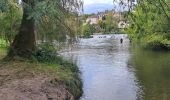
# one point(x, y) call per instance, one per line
point(24, 42)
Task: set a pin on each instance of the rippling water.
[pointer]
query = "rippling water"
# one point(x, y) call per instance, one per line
point(105, 71)
point(115, 71)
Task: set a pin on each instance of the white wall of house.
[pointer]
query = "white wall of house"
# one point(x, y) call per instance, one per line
point(122, 24)
point(92, 20)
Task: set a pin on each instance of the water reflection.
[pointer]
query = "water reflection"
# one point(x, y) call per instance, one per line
point(153, 71)
point(105, 68)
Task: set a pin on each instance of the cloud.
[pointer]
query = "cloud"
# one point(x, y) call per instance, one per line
point(92, 6)
point(89, 2)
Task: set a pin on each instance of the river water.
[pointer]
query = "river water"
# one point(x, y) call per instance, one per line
point(114, 71)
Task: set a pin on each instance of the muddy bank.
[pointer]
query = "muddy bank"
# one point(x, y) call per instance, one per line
point(38, 88)
point(28, 81)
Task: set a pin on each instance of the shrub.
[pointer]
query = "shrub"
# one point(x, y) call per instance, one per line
point(3, 43)
point(46, 53)
point(157, 42)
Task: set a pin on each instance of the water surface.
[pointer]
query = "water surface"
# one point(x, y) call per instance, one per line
point(153, 72)
point(115, 71)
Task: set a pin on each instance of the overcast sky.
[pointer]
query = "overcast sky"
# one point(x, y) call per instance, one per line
point(93, 6)
point(87, 2)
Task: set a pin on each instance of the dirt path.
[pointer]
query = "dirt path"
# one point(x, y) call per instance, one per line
point(21, 83)
point(38, 88)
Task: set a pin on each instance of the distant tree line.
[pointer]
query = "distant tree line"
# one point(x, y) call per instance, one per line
point(107, 25)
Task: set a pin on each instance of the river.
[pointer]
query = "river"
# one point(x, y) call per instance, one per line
point(114, 71)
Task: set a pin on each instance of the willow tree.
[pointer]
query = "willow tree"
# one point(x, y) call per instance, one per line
point(10, 16)
point(37, 14)
point(149, 22)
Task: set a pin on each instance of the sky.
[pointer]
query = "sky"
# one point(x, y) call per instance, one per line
point(93, 6)
point(87, 2)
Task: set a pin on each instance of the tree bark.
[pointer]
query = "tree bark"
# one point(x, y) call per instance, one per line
point(24, 42)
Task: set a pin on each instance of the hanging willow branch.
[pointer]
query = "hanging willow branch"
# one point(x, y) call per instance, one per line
point(160, 4)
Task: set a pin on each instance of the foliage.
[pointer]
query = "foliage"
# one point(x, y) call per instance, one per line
point(3, 52)
point(110, 23)
point(75, 86)
point(149, 22)
point(102, 25)
point(10, 16)
point(54, 20)
point(157, 42)
point(46, 53)
point(57, 19)
point(85, 16)
point(3, 43)
point(88, 30)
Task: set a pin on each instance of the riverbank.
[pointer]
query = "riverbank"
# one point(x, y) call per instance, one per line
point(153, 42)
point(26, 80)
point(157, 42)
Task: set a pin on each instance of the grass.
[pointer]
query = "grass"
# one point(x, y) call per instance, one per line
point(66, 72)
point(3, 43)
point(3, 52)
point(3, 48)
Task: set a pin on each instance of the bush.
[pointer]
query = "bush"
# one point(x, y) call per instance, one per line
point(46, 53)
point(3, 43)
point(88, 30)
point(157, 42)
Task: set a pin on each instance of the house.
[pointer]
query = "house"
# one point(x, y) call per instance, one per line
point(92, 19)
point(122, 24)
point(101, 15)
point(117, 15)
